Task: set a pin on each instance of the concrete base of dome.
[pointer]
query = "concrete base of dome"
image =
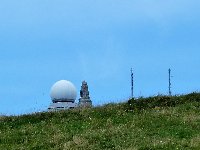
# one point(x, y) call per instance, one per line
point(62, 106)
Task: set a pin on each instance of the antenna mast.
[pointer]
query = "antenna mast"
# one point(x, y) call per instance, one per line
point(170, 93)
point(131, 83)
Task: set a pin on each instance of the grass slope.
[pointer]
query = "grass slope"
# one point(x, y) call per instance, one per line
point(159, 122)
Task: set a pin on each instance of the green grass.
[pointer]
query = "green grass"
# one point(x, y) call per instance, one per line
point(158, 122)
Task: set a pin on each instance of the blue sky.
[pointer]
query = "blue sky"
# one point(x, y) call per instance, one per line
point(42, 42)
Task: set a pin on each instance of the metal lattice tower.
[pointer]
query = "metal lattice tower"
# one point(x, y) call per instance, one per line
point(131, 83)
point(170, 92)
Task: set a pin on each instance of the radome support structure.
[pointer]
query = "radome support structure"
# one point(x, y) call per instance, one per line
point(132, 82)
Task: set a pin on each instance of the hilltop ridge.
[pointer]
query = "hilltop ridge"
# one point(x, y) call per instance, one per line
point(159, 122)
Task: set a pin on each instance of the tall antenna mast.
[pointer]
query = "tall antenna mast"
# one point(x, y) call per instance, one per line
point(131, 83)
point(170, 93)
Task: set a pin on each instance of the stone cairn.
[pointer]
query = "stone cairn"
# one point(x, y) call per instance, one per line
point(84, 100)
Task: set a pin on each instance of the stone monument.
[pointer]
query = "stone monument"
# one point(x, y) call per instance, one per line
point(84, 100)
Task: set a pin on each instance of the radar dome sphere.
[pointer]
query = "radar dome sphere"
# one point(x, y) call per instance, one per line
point(63, 91)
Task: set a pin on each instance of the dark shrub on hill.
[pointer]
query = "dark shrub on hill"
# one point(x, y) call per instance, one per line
point(162, 101)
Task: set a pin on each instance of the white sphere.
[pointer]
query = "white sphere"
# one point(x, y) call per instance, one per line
point(62, 91)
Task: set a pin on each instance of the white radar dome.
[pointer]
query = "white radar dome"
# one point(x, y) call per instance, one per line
point(63, 91)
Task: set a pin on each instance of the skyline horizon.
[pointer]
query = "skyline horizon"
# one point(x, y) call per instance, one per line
point(36, 110)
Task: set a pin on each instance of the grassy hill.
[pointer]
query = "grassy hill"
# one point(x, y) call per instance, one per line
point(159, 122)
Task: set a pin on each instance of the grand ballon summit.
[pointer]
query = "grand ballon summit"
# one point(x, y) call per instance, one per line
point(63, 95)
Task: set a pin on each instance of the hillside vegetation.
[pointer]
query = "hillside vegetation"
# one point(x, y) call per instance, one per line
point(159, 122)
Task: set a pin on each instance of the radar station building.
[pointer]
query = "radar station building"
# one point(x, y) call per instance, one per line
point(63, 95)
